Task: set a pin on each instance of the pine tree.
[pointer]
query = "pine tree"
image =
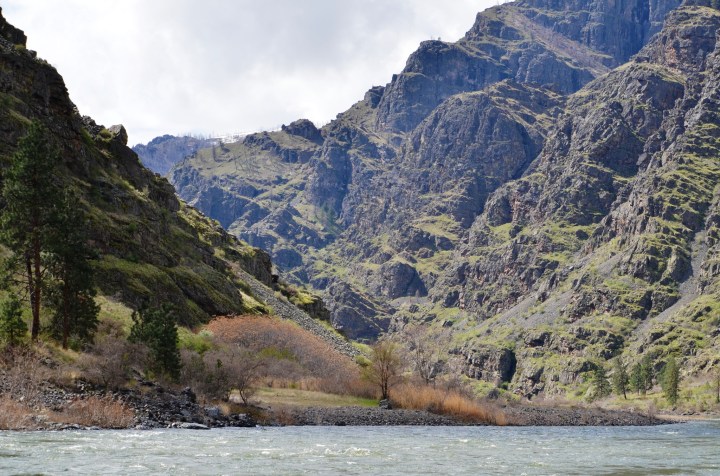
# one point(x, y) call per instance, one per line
point(31, 192)
point(12, 326)
point(600, 383)
point(671, 380)
point(72, 295)
point(620, 378)
point(647, 374)
point(156, 328)
point(636, 379)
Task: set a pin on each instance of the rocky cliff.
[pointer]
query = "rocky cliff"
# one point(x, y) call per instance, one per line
point(544, 188)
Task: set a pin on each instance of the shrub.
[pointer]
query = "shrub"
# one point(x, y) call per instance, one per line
point(289, 353)
point(215, 374)
point(111, 361)
point(241, 369)
point(23, 373)
point(385, 366)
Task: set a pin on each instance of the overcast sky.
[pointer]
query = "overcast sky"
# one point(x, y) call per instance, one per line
point(228, 66)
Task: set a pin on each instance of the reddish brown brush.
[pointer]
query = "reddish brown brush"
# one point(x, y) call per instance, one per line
point(292, 354)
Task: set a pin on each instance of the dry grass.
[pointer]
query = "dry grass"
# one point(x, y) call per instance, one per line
point(15, 415)
point(292, 397)
point(104, 412)
point(446, 402)
point(349, 385)
point(23, 373)
point(27, 373)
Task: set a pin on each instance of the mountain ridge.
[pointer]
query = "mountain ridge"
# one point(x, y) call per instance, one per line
point(151, 247)
point(541, 207)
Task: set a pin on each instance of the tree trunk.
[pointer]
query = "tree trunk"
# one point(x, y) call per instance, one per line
point(37, 272)
point(66, 313)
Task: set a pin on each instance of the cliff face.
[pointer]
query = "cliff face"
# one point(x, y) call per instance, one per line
point(544, 188)
point(562, 45)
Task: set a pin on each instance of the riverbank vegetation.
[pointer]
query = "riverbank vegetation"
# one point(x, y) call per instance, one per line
point(235, 363)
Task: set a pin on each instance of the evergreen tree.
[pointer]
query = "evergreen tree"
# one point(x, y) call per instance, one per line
point(647, 374)
point(620, 378)
point(12, 326)
point(156, 328)
point(31, 192)
point(600, 382)
point(671, 380)
point(636, 379)
point(72, 295)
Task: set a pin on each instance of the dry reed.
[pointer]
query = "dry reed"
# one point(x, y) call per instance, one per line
point(446, 402)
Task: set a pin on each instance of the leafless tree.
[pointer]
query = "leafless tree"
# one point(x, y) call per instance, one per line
point(385, 366)
point(425, 352)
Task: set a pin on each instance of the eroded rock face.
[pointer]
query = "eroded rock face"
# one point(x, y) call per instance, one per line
point(496, 365)
point(529, 41)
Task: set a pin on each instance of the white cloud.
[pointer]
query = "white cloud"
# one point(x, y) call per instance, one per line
point(221, 66)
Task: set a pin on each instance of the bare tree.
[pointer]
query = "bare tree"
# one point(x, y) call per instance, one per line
point(425, 352)
point(237, 369)
point(385, 366)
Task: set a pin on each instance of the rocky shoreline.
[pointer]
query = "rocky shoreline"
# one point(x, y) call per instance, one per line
point(527, 415)
point(157, 407)
point(163, 408)
point(520, 415)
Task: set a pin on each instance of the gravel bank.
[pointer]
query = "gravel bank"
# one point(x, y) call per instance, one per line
point(526, 415)
point(159, 407)
point(519, 415)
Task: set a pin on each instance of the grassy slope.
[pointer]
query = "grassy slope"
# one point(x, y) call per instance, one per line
point(151, 248)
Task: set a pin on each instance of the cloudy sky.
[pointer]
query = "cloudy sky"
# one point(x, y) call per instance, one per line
point(227, 66)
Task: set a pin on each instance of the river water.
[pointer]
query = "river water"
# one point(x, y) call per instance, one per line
point(691, 448)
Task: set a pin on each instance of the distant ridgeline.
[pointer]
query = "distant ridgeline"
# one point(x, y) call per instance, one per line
point(540, 193)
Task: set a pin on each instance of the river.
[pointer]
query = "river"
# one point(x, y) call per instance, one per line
point(691, 448)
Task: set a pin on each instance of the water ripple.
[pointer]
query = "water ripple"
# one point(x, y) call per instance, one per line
point(683, 449)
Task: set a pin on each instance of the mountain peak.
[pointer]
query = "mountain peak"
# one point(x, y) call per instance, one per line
point(11, 34)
